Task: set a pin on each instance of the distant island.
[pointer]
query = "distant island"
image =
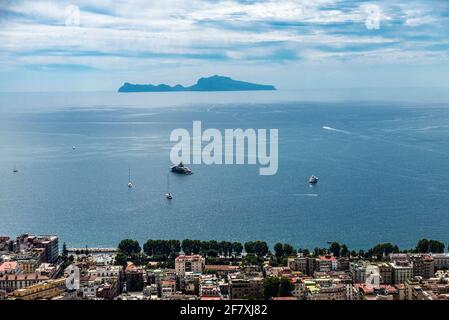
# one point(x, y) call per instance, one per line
point(214, 83)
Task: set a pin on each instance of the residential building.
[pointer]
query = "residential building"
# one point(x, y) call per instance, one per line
point(386, 273)
point(9, 267)
point(358, 271)
point(47, 269)
point(342, 264)
point(246, 287)
point(441, 261)
point(10, 283)
point(402, 270)
point(194, 263)
point(327, 263)
point(299, 290)
point(167, 289)
point(221, 270)
point(423, 266)
point(306, 265)
point(325, 289)
point(51, 245)
point(44, 290)
point(134, 278)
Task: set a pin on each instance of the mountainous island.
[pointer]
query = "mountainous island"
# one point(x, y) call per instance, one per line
point(214, 83)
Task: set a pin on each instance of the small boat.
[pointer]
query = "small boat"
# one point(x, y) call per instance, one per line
point(169, 196)
point(130, 184)
point(181, 169)
point(313, 180)
point(73, 148)
point(15, 170)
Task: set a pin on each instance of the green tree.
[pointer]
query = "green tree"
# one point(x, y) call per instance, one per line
point(279, 250)
point(237, 248)
point(261, 248)
point(422, 246)
point(250, 247)
point(129, 247)
point(379, 250)
point(225, 248)
point(271, 287)
point(175, 247)
point(335, 249)
point(121, 259)
point(196, 286)
point(212, 253)
point(148, 247)
point(285, 287)
point(436, 246)
point(65, 252)
point(288, 250)
point(196, 246)
point(319, 252)
point(252, 260)
point(187, 245)
point(344, 251)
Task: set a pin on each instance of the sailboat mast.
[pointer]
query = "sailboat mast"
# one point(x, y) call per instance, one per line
point(168, 182)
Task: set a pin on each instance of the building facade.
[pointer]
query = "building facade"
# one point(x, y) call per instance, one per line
point(194, 263)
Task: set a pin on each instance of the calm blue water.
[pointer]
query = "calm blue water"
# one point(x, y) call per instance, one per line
point(383, 172)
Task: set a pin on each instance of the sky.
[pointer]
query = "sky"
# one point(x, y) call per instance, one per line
point(294, 44)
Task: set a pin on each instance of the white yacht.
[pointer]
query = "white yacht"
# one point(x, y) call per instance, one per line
point(313, 180)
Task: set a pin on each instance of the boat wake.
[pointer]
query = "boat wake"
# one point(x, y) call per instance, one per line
point(336, 130)
point(306, 194)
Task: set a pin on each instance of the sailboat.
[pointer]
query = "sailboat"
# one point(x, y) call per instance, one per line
point(130, 184)
point(15, 170)
point(168, 195)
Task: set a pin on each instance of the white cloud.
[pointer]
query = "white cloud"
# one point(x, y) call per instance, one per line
point(111, 34)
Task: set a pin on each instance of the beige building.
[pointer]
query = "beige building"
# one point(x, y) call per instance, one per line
point(45, 290)
point(246, 288)
point(185, 264)
point(325, 289)
point(10, 283)
point(386, 273)
point(306, 265)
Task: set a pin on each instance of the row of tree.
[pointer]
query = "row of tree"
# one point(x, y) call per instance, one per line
point(381, 250)
point(212, 248)
point(164, 249)
point(171, 248)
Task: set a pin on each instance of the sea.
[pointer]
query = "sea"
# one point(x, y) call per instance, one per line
point(382, 157)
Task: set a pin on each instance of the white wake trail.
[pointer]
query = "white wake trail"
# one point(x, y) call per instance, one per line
point(336, 130)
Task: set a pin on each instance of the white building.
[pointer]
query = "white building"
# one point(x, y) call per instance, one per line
point(402, 270)
point(441, 260)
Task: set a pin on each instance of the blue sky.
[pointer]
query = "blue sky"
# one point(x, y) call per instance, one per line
point(96, 45)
